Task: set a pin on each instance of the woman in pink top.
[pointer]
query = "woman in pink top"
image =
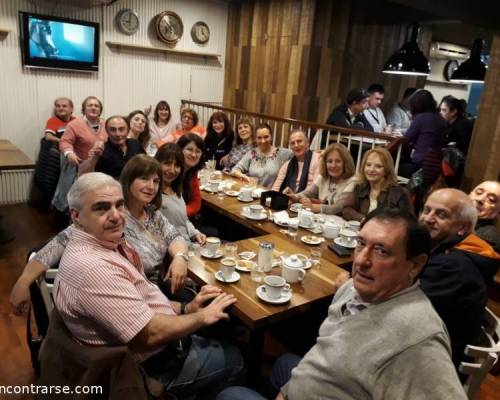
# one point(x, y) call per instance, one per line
point(81, 133)
point(189, 124)
point(161, 126)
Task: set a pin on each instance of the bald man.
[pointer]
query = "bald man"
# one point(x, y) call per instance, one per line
point(486, 198)
point(459, 264)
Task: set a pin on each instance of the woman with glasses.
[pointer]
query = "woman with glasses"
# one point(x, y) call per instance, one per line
point(111, 157)
point(189, 124)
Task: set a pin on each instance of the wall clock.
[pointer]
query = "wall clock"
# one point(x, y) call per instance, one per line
point(200, 32)
point(449, 68)
point(127, 21)
point(169, 27)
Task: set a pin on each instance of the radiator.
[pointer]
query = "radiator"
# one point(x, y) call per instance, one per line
point(15, 186)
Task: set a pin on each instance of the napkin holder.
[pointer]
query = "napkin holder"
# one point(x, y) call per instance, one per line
point(274, 200)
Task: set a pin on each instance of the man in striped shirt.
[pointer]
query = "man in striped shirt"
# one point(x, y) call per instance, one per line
point(104, 298)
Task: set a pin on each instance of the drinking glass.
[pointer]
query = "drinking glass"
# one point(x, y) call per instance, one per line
point(315, 255)
point(220, 191)
point(231, 250)
point(293, 227)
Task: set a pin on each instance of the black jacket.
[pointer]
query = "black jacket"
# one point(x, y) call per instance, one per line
point(340, 117)
point(454, 281)
point(460, 132)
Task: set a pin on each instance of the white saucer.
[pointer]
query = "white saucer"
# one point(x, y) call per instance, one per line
point(243, 268)
point(206, 254)
point(232, 193)
point(285, 297)
point(207, 189)
point(244, 201)
point(293, 207)
point(281, 223)
point(235, 277)
point(262, 216)
point(247, 255)
point(311, 226)
point(311, 239)
point(338, 241)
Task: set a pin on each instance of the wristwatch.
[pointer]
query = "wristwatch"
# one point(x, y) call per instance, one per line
point(183, 255)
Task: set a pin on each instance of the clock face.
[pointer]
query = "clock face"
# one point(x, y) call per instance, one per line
point(200, 32)
point(169, 27)
point(449, 68)
point(127, 21)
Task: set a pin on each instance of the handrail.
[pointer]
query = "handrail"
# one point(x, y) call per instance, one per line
point(321, 135)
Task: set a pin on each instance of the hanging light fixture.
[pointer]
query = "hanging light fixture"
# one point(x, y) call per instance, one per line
point(473, 69)
point(408, 60)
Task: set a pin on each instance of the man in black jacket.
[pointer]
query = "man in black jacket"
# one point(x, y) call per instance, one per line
point(350, 113)
point(459, 263)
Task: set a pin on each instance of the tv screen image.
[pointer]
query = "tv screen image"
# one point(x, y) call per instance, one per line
point(54, 42)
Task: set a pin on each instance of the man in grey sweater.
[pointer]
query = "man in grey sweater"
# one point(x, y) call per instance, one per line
point(382, 338)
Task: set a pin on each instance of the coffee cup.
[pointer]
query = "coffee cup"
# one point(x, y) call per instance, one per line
point(354, 225)
point(256, 209)
point(228, 267)
point(330, 230)
point(213, 185)
point(246, 193)
point(212, 245)
point(275, 286)
point(347, 236)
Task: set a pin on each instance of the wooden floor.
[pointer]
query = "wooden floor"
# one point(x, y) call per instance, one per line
point(32, 228)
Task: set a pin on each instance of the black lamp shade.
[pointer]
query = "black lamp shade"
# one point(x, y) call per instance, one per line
point(408, 60)
point(472, 70)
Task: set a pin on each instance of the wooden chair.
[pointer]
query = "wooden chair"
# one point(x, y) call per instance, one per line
point(484, 358)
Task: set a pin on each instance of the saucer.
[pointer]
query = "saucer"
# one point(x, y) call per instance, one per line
point(311, 239)
point(232, 193)
point(282, 223)
point(245, 265)
point(247, 255)
point(260, 217)
point(207, 189)
point(206, 254)
point(339, 241)
point(261, 294)
point(244, 201)
point(235, 277)
point(310, 226)
point(295, 207)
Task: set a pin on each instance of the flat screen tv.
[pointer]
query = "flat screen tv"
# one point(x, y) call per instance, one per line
point(62, 43)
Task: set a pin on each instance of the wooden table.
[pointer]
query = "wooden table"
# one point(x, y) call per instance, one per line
point(11, 158)
point(257, 315)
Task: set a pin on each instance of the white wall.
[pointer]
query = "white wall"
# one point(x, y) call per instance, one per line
point(125, 81)
point(440, 87)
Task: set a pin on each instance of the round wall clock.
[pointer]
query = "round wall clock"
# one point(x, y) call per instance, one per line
point(127, 21)
point(169, 27)
point(200, 32)
point(449, 68)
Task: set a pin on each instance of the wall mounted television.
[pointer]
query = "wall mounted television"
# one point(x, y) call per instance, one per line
point(61, 43)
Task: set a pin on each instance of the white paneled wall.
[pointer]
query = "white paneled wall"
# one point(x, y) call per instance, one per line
point(125, 80)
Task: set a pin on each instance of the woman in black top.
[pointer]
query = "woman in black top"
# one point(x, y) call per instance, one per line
point(459, 128)
point(219, 139)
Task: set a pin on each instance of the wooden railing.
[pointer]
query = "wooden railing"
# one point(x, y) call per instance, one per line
point(320, 135)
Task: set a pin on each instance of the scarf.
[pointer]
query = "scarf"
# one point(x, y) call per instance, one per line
point(293, 170)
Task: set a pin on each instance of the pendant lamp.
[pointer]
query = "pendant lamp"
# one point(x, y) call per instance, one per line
point(408, 60)
point(473, 69)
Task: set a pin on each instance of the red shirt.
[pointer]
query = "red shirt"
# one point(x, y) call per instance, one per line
point(57, 126)
point(194, 205)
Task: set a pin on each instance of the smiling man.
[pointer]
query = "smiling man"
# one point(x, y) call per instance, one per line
point(105, 299)
point(459, 266)
point(382, 339)
point(298, 173)
point(486, 198)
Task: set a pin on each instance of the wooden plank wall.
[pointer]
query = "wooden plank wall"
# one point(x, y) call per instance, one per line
point(483, 161)
point(299, 58)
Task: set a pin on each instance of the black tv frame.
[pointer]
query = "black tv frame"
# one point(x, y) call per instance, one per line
point(48, 63)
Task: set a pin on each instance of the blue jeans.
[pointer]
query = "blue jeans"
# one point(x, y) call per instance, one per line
point(209, 367)
point(280, 375)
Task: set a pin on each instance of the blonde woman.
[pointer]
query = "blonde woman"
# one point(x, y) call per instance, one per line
point(377, 187)
point(335, 180)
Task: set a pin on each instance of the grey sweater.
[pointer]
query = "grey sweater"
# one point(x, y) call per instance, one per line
point(173, 208)
point(397, 349)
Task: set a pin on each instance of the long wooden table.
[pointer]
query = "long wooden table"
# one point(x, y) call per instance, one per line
point(319, 283)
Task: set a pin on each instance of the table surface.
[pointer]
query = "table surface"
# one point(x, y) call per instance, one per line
point(318, 284)
point(13, 158)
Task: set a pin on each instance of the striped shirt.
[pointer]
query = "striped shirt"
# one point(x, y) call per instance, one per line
point(102, 293)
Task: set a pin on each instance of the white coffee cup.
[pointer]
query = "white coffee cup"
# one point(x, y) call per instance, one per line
point(246, 193)
point(347, 236)
point(354, 225)
point(213, 185)
point(212, 245)
point(256, 209)
point(275, 286)
point(228, 267)
point(330, 230)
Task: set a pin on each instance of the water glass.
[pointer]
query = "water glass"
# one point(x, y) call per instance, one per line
point(315, 255)
point(231, 250)
point(196, 248)
point(220, 192)
point(293, 227)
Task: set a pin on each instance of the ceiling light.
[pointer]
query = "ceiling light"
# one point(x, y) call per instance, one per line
point(473, 69)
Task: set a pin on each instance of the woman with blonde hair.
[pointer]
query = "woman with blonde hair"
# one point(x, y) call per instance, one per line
point(335, 180)
point(377, 187)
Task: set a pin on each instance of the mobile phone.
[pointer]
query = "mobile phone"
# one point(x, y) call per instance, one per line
point(339, 250)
